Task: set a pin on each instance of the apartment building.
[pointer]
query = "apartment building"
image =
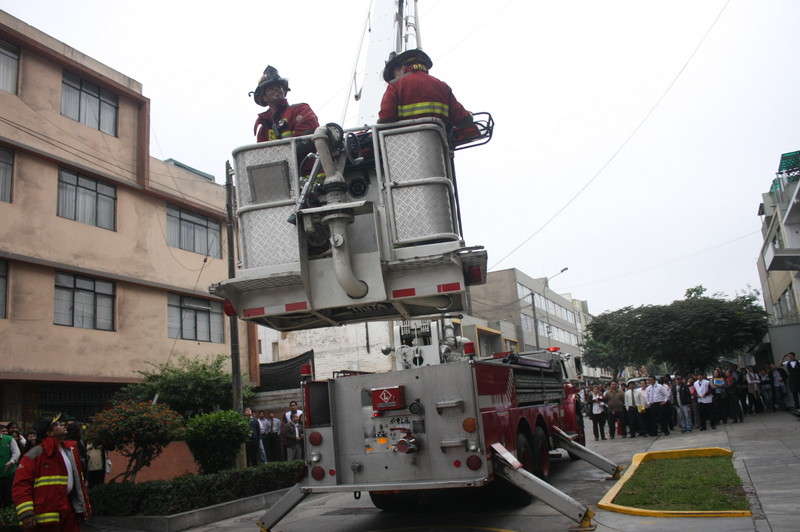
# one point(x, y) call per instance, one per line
point(543, 318)
point(106, 253)
point(779, 260)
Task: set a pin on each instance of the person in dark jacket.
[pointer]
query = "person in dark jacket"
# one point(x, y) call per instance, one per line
point(280, 120)
point(682, 400)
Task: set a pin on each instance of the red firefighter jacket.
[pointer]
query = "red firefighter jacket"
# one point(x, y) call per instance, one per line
point(40, 484)
point(289, 120)
point(417, 95)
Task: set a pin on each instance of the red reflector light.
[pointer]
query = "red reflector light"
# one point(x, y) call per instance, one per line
point(315, 438)
point(474, 462)
point(405, 292)
point(317, 473)
point(469, 348)
point(457, 463)
point(227, 308)
point(448, 287)
point(332, 472)
point(474, 274)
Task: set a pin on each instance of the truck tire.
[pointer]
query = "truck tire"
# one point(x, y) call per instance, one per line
point(541, 455)
point(393, 501)
point(511, 493)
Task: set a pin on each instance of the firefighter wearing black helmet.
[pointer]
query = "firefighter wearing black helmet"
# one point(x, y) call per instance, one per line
point(280, 120)
point(413, 93)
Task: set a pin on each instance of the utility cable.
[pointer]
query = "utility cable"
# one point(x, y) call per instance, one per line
point(624, 143)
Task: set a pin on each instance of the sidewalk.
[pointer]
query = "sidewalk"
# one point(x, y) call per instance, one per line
point(766, 455)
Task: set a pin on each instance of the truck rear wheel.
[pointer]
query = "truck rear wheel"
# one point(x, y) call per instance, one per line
point(394, 501)
point(511, 493)
point(541, 455)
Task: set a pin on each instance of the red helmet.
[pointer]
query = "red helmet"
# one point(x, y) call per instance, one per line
point(395, 60)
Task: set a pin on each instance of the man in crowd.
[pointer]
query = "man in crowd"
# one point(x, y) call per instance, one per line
point(615, 402)
point(792, 367)
point(49, 487)
point(658, 413)
point(253, 445)
point(630, 409)
point(705, 398)
point(682, 399)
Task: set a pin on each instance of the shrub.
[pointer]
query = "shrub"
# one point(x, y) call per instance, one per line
point(138, 431)
point(215, 439)
point(191, 492)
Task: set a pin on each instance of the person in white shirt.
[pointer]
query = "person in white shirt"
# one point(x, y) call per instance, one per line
point(704, 395)
point(630, 409)
point(642, 405)
point(598, 414)
point(658, 414)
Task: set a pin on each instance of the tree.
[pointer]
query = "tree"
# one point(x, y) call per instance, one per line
point(690, 334)
point(138, 431)
point(215, 439)
point(192, 386)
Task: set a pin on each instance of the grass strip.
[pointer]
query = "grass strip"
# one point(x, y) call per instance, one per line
point(695, 483)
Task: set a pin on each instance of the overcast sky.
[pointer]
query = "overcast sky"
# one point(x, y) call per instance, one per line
point(633, 139)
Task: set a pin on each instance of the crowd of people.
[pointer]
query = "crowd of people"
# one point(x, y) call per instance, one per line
point(648, 407)
point(274, 439)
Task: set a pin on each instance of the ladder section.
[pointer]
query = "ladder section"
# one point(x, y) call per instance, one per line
point(508, 467)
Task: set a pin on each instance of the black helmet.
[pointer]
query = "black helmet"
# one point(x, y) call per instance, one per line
point(269, 77)
point(396, 60)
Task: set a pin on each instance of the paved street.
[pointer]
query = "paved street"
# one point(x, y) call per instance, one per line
point(766, 456)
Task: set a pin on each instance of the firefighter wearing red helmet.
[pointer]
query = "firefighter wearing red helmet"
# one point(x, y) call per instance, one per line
point(280, 120)
point(413, 93)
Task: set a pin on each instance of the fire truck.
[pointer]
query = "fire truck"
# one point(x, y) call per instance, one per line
point(349, 226)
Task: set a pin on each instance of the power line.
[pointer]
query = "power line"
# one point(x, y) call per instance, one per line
point(660, 264)
point(622, 146)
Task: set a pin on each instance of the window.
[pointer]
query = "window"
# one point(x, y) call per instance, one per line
point(9, 65)
point(88, 104)
point(3, 287)
point(192, 232)
point(84, 302)
point(191, 318)
point(6, 168)
point(86, 200)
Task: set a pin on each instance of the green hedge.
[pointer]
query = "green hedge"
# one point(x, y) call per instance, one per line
point(190, 492)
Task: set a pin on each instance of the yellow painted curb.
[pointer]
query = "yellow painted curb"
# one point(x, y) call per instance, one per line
point(607, 504)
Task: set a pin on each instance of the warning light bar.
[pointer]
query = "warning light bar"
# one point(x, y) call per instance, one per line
point(554, 349)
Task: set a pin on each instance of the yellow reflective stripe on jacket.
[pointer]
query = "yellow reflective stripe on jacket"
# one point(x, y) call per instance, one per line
point(55, 480)
point(26, 506)
point(421, 108)
point(49, 517)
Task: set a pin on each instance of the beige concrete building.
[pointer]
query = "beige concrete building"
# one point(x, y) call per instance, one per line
point(106, 254)
point(779, 261)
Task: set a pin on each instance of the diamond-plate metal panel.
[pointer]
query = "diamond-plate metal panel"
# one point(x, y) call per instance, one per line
point(415, 156)
point(422, 211)
point(259, 156)
point(270, 238)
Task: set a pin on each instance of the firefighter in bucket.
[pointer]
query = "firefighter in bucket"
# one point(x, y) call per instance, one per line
point(280, 120)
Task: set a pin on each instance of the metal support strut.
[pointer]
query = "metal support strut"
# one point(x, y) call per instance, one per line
point(563, 440)
point(278, 511)
point(508, 467)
